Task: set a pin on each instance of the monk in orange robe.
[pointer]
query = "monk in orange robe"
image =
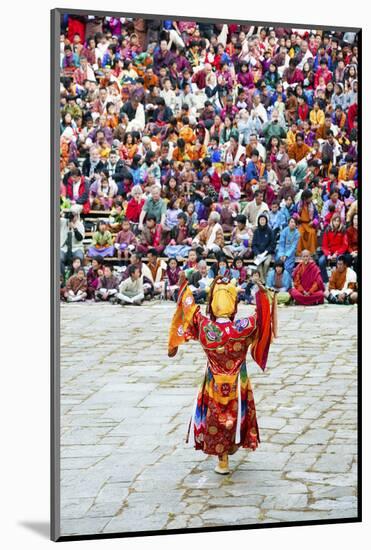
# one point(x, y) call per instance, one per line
point(307, 217)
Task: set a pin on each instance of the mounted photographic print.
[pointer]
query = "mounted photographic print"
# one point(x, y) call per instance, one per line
point(206, 274)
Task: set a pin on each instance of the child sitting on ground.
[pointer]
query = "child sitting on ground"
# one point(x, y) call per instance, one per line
point(107, 285)
point(75, 266)
point(172, 274)
point(252, 288)
point(131, 289)
point(76, 287)
point(94, 272)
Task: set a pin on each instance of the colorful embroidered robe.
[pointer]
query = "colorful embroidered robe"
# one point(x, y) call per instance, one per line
point(224, 416)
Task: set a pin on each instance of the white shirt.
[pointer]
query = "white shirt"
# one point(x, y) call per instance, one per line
point(169, 97)
point(261, 112)
point(75, 189)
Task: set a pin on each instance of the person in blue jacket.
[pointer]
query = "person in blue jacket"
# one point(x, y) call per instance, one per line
point(287, 245)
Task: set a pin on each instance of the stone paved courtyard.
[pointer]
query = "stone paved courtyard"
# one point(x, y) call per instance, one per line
point(125, 409)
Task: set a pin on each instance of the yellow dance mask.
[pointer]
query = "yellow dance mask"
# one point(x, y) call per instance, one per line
point(224, 297)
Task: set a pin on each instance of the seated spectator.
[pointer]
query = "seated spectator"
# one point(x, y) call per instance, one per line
point(151, 236)
point(148, 288)
point(240, 274)
point(342, 287)
point(102, 192)
point(172, 275)
point(76, 287)
point(348, 171)
point(94, 272)
point(154, 206)
point(300, 149)
point(334, 244)
point(73, 269)
point(77, 190)
point(228, 212)
point(255, 208)
point(235, 153)
point(317, 191)
point(307, 218)
point(308, 288)
point(192, 219)
point(219, 267)
point(229, 189)
point(117, 170)
point(280, 280)
point(210, 240)
point(171, 218)
point(199, 282)
point(287, 245)
point(102, 242)
point(131, 290)
point(272, 177)
point(107, 286)
point(268, 193)
point(157, 270)
point(191, 262)
point(116, 217)
point(252, 288)
point(263, 246)
point(288, 209)
point(92, 165)
point(180, 239)
point(135, 205)
point(125, 241)
point(162, 115)
point(277, 220)
point(72, 233)
point(316, 116)
point(336, 203)
point(255, 168)
point(241, 240)
point(287, 189)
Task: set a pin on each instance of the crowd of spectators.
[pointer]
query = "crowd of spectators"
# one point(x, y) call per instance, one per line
point(207, 147)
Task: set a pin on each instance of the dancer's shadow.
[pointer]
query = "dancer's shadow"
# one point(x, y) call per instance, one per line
point(40, 527)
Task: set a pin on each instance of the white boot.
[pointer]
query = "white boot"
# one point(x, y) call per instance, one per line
point(223, 465)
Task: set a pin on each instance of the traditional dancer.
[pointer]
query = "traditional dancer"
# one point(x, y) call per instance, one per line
point(224, 418)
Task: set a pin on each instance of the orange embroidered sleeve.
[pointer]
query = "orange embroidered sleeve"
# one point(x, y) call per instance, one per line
point(183, 326)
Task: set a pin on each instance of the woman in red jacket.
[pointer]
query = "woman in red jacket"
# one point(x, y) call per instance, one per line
point(135, 205)
point(77, 190)
point(334, 243)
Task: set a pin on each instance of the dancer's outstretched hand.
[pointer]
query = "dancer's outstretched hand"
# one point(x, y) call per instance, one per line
point(172, 352)
point(261, 286)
